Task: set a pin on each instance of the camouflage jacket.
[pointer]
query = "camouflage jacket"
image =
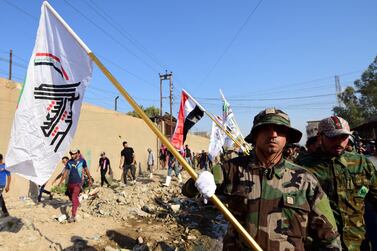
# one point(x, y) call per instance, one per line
point(282, 209)
point(347, 180)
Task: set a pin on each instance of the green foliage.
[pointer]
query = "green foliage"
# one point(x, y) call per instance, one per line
point(151, 111)
point(360, 101)
point(59, 189)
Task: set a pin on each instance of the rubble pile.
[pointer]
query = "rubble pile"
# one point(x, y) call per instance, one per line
point(180, 222)
point(123, 202)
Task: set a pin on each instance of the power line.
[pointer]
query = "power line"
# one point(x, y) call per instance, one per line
point(284, 86)
point(270, 99)
point(253, 10)
point(124, 33)
point(111, 37)
point(21, 10)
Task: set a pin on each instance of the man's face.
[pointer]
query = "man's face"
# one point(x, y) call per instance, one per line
point(64, 161)
point(334, 146)
point(75, 156)
point(271, 139)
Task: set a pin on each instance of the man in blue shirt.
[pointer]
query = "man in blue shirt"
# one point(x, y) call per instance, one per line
point(75, 169)
point(4, 185)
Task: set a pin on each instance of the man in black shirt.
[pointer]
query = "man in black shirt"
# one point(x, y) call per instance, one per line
point(127, 162)
point(104, 166)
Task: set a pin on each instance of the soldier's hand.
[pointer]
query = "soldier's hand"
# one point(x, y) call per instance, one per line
point(206, 185)
point(7, 189)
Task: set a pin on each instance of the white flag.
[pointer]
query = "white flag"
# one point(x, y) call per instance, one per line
point(49, 108)
point(230, 124)
point(216, 141)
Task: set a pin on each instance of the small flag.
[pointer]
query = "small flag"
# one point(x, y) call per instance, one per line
point(48, 111)
point(189, 114)
point(230, 124)
point(216, 141)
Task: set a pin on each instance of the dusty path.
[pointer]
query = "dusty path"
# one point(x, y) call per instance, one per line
point(144, 216)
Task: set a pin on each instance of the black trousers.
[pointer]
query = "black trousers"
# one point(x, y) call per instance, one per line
point(126, 168)
point(2, 202)
point(103, 177)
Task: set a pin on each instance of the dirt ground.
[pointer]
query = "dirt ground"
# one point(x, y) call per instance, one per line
point(144, 216)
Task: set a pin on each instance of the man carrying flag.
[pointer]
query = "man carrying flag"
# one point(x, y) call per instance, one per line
point(49, 106)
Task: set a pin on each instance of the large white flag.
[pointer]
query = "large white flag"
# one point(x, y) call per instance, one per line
point(216, 141)
point(48, 111)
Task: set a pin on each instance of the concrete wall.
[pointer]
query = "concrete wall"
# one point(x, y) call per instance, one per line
point(98, 130)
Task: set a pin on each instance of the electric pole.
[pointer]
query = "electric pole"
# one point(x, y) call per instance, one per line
point(10, 64)
point(338, 90)
point(167, 76)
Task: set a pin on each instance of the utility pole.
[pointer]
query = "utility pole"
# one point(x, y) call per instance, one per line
point(338, 90)
point(167, 76)
point(10, 64)
point(116, 103)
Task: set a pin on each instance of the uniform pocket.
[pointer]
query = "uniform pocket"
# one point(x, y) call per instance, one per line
point(294, 215)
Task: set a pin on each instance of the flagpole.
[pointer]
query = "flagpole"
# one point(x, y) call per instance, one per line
point(251, 242)
point(247, 147)
point(228, 215)
point(239, 144)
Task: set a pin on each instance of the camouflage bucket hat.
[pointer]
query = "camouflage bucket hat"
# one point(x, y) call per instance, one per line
point(275, 117)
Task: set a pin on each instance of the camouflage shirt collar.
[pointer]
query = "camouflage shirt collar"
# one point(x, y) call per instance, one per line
point(341, 159)
point(278, 168)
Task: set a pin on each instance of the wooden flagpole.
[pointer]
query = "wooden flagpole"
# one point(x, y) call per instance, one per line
point(228, 215)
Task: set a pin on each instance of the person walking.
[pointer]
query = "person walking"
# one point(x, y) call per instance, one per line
point(75, 169)
point(280, 204)
point(163, 156)
point(188, 155)
point(172, 165)
point(127, 162)
point(65, 160)
point(104, 167)
point(5, 179)
point(150, 162)
point(348, 178)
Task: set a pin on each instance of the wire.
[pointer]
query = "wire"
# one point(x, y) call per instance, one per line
point(124, 33)
point(253, 10)
point(271, 99)
point(21, 10)
point(112, 38)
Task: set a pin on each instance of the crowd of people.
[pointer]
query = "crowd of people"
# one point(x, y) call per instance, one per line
point(288, 197)
point(322, 197)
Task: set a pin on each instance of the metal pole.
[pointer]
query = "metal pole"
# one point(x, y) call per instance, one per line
point(10, 64)
point(116, 103)
point(171, 103)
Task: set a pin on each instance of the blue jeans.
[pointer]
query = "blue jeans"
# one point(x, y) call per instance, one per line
point(176, 170)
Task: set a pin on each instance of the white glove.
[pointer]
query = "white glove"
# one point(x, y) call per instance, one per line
point(206, 185)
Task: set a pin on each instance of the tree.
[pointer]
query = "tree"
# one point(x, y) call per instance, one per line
point(151, 111)
point(360, 101)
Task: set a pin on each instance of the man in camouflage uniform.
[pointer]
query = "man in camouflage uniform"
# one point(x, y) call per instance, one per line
point(349, 179)
point(280, 204)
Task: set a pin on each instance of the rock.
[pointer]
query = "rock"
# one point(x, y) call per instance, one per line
point(140, 240)
point(175, 207)
point(140, 247)
point(191, 237)
point(148, 209)
point(110, 248)
point(62, 218)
